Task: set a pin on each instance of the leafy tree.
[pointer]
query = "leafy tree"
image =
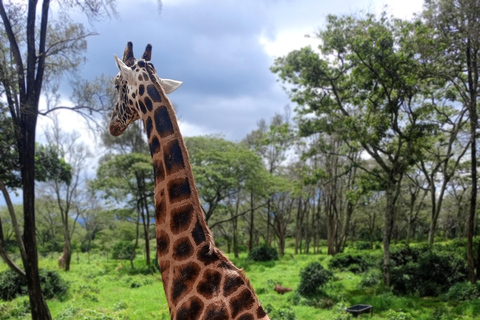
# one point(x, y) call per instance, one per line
point(128, 179)
point(34, 48)
point(363, 86)
point(272, 143)
point(451, 50)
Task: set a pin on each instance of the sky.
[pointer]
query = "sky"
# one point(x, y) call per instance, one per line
point(222, 50)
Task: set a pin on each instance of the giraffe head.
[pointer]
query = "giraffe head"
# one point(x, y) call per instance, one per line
point(132, 77)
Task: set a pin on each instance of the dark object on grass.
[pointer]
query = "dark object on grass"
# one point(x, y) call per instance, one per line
point(359, 309)
point(280, 289)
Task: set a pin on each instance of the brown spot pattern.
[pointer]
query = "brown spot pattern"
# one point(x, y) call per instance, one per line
point(181, 218)
point(184, 278)
point(182, 249)
point(243, 301)
point(178, 190)
point(209, 286)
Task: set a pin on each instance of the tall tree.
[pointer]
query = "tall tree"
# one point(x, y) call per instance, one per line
point(363, 86)
point(29, 46)
point(128, 179)
point(452, 49)
point(60, 193)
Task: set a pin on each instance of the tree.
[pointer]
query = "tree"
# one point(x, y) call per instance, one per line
point(452, 51)
point(62, 188)
point(363, 86)
point(128, 179)
point(272, 142)
point(32, 51)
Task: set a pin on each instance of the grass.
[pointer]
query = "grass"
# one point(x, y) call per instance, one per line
point(98, 291)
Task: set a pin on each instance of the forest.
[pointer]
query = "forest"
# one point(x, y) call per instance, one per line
point(362, 191)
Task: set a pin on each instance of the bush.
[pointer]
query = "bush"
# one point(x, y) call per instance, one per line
point(463, 291)
point(426, 272)
point(16, 309)
point(263, 253)
point(313, 278)
point(370, 279)
point(356, 263)
point(363, 245)
point(393, 315)
point(12, 285)
point(123, 250)
point(53, 286)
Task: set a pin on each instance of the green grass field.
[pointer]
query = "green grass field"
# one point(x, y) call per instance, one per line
point(98, 291)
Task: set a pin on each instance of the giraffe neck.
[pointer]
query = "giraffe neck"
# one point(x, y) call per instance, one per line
point(199, 281)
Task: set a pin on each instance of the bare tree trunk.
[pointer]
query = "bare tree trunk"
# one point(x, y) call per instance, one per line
point(471, 54)
point(252, 220)
point(38, 305)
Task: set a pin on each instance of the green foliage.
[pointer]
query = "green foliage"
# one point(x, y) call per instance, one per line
point(313, 278)
point(463, 291)
point(339, 312)
point(426, 272)
point(9, 162)
point(53, 286)
point(15, 309)
point(12, 285)
point(356, 263)
point(285, 312)
point(263, 253)
point(50, 164)
point(393, 315)
point(363, 245)
point(123, 250)
point(371, 278)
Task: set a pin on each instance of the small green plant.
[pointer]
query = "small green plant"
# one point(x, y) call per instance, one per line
point(68, 313)
point(338, 312)
point(120, 305)
point(313, 278)
point(263, 253)
point(285, 312)
point(393, 315)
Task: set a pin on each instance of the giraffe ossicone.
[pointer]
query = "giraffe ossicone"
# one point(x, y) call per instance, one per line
point(200, 282)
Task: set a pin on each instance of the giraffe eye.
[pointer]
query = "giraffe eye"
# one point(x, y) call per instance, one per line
point(117, 87)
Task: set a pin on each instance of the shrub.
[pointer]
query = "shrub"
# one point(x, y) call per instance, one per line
point(53, 286)
point(313, 278)
point(263, 253)
point(426, 272)
point(363, 245)
point(463, 291)
point(393, 315)
point(16, 309)
point(12, 285)
point(356, 263)
point(370, 279)
point(123, 250)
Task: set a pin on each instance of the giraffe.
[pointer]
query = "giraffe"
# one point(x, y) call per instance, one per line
point(200, 282)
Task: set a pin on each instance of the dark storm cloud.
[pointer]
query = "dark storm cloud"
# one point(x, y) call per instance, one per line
point(212, 46)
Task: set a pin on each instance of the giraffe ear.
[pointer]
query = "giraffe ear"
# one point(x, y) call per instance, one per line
point(126, 72)
point(170, 85)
